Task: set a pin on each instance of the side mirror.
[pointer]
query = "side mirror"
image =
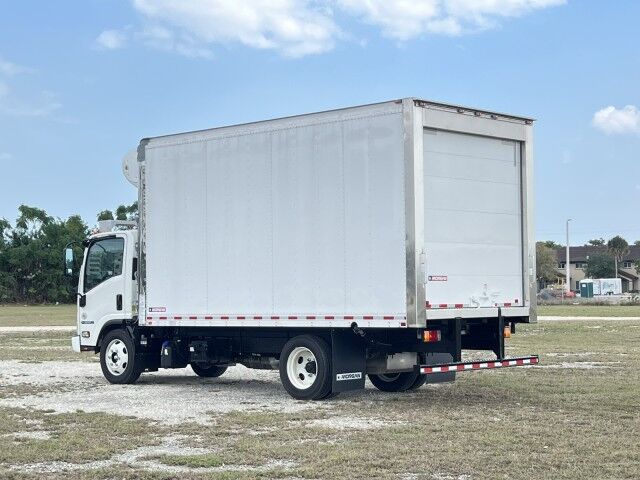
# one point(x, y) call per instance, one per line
point(68, 261)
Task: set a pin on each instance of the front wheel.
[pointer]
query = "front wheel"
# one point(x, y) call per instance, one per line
point(305, 368)
point(207, 370)
point(395, 382)
point(118, 358)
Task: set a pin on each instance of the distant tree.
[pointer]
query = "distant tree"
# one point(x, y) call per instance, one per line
point(637, 243)
point(105, 215)
point(618, 247)
point(127, 212)
point(31, 257)
point(546, 263)
point(597, 242)
point(551, 244)
point(600, 265)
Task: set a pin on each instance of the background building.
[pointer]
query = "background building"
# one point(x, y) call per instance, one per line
point(579, 256)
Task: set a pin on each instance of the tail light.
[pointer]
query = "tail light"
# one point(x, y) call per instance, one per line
point(507, 332)
point(431, 336)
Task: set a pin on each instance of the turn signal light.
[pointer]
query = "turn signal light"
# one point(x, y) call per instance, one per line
point(507, 332)
point(86, 334)
point(431, 336)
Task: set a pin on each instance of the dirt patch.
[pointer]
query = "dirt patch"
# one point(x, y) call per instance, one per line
point(80, 386)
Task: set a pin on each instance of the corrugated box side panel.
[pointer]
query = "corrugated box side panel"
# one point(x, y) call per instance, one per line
point(297, 220)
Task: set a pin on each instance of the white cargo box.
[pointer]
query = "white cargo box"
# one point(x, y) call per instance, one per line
point(386, 215)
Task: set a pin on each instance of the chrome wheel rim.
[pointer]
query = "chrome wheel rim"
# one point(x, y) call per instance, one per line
point(116, 357)
point(302, 368)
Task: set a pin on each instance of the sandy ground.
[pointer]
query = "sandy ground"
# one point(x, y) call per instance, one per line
point(71, 386)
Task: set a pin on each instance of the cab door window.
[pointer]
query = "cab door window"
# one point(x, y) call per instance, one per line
point(104, 260)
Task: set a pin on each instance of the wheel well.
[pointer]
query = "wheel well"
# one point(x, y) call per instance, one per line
point(108, 327)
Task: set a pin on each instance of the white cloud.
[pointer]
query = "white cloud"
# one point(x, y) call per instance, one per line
point(9, 69)
point(613, 120)
point(406, 19)
point(296, 28)
point(41, 105)
point(164, 39)
point(111, 40)
point(293, 27)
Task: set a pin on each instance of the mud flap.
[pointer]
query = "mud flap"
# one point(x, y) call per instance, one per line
point(348, 360)
point(435, 359)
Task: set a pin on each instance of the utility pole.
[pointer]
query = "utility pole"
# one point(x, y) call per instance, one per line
point(567, 264)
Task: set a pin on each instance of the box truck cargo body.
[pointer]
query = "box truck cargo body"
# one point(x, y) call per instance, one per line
point(382, 240)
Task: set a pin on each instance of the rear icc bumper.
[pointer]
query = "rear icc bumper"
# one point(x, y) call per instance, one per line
point(464, 366)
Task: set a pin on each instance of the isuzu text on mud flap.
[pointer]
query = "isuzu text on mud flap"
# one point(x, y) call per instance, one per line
point(381, 240)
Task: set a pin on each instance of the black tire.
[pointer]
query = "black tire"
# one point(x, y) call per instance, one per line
point(207, 370)
point(130, 369)
point(420, 381)
point(318, 373)
point(394, 382)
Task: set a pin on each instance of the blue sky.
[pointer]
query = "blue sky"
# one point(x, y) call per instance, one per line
point(82, 81)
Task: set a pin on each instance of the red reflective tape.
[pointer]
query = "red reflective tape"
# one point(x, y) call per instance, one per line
point(459, 305)
point(491, 364)
point(367, 317)
point(507, 304)
point(460, 367)
point(428, 370)
point(329, 317)
point(224, 317)
point(149, 318)
point(162, 318)
point(443, 305)
point(257, 317)
point(388, 318)
point(348, 317)
point(275, 318)
point(506, 363)
point(475, 366)
point(534, 360)
point(193, 318)
point(291, 317)
point(444, 368)
point(240, 317)
point(177, 318)
point(519, 362)
point(311, 317)
point(208, 317)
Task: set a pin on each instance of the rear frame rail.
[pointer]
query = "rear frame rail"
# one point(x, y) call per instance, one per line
point(482, 365)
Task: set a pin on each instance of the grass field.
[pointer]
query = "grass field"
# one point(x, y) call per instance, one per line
point(590, 310)
point(22, 315)
point(573, 417)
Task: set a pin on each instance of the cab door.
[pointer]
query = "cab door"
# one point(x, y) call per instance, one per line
point(101, 286)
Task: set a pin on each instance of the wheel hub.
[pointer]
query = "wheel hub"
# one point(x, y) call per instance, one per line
point(302, 368)
point(117, 357)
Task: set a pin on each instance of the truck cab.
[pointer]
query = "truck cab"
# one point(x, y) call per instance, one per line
point(107, 286)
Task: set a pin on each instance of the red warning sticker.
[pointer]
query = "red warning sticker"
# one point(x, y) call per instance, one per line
point(437, 278)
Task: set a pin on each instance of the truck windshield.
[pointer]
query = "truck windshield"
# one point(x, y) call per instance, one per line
point(104, 261)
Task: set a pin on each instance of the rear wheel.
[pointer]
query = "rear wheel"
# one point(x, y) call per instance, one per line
point(305, 368)
point(420, 381)
point(118, 358)
point(207, 370)
point(395, 382)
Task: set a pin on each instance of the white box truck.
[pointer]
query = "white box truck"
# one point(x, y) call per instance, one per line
point(378, 240)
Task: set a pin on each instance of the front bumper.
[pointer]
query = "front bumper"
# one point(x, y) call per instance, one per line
point(75, 343)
